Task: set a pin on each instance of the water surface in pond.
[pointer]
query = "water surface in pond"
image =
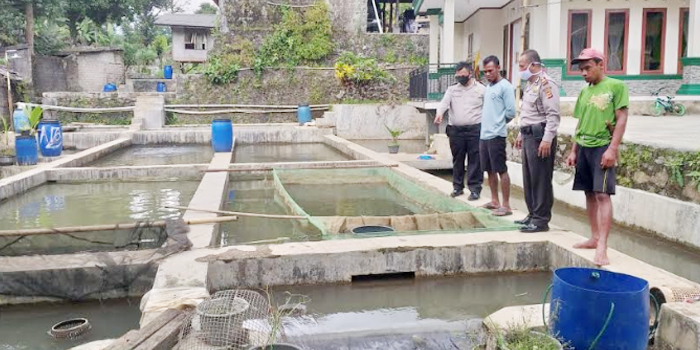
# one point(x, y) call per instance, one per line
point(25, 327)
point(293, 152)
point(80, 204)
point(140, 155)
point(381, 305)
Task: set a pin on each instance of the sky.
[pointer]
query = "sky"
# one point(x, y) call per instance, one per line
point(192, 5)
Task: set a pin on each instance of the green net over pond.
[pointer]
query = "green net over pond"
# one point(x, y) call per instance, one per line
point(335, 201)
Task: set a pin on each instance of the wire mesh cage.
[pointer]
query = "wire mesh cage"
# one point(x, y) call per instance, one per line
point(231, 319)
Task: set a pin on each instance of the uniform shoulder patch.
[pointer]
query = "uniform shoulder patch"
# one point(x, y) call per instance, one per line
point(544, 81)
point(548, 92)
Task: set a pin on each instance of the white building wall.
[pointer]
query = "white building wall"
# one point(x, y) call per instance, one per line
point(634, 40)
point(180, 54)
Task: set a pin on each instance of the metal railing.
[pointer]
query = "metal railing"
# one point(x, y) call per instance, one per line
point(429, 83)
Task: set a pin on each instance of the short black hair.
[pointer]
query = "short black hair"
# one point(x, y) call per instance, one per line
point(532, 56)
point(493, 59)
point(462, 65)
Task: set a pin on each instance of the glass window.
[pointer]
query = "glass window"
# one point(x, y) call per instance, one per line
point(683, 45)
point(654, 30)
point(616, 41)
point(579, 34)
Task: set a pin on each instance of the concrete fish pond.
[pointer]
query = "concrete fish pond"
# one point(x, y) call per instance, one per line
point(261, 250)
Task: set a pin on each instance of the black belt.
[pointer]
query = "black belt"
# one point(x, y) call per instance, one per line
point(466, 127)
point(527, 130)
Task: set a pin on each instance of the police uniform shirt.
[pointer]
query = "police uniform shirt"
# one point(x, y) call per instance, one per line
point(464, 103)
point(541, 105)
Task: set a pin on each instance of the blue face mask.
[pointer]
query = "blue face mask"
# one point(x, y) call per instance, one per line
point(525, 75)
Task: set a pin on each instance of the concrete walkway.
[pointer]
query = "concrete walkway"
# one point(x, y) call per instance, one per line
point(663, 132)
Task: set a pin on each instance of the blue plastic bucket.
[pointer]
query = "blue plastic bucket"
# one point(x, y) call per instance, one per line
point(168, 72)
point(589, 305)
point(160, 87)
point(20, 120)
point(26, 149)
point(50, 138)
point(222, 135)
point(303, 114)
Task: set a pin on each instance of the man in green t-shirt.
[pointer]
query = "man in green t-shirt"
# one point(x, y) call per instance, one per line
point(601, 109)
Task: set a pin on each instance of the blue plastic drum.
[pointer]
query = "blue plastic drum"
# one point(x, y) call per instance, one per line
point(222, 135)
point(26, 149)
point(168, 72)
point(589, 305)
point(50, 138)
point(304, 114)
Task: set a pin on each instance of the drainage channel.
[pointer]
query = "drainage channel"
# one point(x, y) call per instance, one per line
point(642, 245)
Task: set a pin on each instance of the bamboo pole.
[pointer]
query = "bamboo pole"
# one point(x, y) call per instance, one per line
point(263, 241)
point(254, 215)
point(112, 227)
point(311, 165)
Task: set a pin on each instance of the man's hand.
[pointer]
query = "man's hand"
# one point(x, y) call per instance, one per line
point(609, 158)
point(519, 142)
point(571, 159)
point(438, 119)
point(545, 149)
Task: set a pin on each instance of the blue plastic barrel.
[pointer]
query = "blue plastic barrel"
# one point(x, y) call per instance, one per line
point(109, 88)
point(222, 135)
point(303, 114)
point(20, 121)
point(160, 87)
point(168, 72)
point(50, 138)
point(25, 147)
point(580, 311)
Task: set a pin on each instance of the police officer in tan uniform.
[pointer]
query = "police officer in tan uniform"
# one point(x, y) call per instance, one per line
point(539, 120)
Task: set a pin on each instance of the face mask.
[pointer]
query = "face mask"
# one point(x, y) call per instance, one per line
point(462, 80)
point(525, 75)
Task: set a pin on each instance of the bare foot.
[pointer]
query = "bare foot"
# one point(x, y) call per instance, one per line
point(589, 244)
point(601, 256)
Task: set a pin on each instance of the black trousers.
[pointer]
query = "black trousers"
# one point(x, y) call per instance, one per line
point(464, 144)
point(537, 180)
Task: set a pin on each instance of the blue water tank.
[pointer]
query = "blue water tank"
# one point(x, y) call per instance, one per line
point(26, 149)
point(222, 135)
point(50, 138)
point(20, 120)
point(168, 72)
point(304, 114)
point(581, 304)
point(160, 87)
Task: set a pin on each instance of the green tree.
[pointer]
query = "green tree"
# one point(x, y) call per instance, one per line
point(103, 11)
point(207, 8)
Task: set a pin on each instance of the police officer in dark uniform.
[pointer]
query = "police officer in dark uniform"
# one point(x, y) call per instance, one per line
point(539, 120)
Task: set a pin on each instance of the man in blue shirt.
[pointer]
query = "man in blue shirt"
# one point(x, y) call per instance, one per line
point(498, 110)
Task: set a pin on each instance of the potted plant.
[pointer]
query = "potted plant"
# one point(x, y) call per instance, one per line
point(394, 144)
point(7, 153)
point(26, 147)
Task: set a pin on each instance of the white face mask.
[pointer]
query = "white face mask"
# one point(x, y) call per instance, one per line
point(525, 75)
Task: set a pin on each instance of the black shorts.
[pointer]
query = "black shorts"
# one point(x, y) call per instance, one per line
point(590, 176)
point(493, 155)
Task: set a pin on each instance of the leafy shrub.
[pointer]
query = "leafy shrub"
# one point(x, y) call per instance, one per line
point(353, 68)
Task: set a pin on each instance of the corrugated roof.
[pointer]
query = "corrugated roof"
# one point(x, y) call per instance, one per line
point(187, 20)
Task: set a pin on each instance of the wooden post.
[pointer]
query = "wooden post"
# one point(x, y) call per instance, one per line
point(516, 72)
